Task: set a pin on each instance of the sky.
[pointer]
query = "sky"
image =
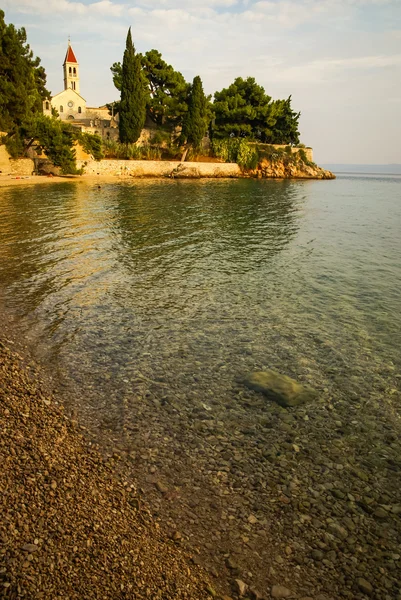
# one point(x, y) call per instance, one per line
point(340, 59)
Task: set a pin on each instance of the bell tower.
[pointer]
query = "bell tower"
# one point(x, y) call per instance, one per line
point(71, 70)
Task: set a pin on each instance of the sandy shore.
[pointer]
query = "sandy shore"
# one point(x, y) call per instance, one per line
point(70, 528)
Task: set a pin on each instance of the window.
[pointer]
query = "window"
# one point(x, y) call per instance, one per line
point(47, 106)
point(73, 85)
point(75, 72)
point(69, 70)
point(79, 109)
point(61, 108)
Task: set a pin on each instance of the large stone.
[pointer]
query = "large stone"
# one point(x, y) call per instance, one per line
point(280, 388)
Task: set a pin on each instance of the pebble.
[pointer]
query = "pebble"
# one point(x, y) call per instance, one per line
point(380, 513)
point(279, 591)
point(241, 586)
point(30, 548)
point(365, 586)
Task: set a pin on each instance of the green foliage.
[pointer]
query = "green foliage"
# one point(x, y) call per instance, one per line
point(113, 149)
point(245, 110)
point(284, 122)
point(56, 138)
point(15, 145)
point(92, 144)
point(241, 110)
point(22, 79)
point(247, 155)
point(302, 156)
point(167, 89)
point(133, 95)
point(196, 120)
point(161, 138)
point(117, 71)
point(237, 150)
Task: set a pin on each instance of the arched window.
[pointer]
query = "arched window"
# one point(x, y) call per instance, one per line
point(74, 71)
point(79, 109)
point(61, 108)
point(70, 117)
point(69, 70)
point(47, 106)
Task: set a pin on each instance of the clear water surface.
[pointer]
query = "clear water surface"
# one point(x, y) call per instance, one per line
point(191, 284)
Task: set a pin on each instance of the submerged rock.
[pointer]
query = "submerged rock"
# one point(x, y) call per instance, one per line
point(282, 389)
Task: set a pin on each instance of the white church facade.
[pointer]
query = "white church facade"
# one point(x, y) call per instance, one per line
point(71, 106)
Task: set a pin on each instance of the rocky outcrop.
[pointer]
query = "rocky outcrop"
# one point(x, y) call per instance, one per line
point(296, 169)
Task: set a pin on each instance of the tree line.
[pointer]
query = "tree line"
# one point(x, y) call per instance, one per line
point(150, 89)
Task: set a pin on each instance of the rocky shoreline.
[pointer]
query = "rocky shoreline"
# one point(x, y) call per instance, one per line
point(70, 528)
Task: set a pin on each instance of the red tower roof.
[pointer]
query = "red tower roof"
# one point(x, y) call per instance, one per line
point(70, 56)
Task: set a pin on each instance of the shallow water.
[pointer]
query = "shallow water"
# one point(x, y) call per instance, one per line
point(168, 279)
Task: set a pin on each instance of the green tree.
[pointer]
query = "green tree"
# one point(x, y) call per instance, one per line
point(133, 95)
point(285, 123)
point(196, 120)
point(56, 138)
point(22, 79)
point(167, 89)
point(245, 110)
point(241, 110)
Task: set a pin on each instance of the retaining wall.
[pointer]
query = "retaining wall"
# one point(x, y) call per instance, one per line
point(158, 168)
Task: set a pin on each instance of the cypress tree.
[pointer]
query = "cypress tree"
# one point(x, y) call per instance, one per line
point(195, 124)
point(133, 95)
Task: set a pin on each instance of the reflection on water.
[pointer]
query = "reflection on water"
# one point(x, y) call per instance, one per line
point(169, 278)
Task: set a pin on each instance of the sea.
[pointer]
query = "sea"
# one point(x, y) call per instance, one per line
point(148, 301)
point(166, 278)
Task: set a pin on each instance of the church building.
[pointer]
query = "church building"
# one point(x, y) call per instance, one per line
point(71, 106)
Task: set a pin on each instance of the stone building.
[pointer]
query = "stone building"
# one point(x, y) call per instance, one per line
point(71, 106)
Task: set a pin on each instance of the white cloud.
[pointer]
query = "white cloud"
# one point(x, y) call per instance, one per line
point(107, 8)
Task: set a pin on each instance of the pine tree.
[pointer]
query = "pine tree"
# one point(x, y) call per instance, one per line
point(22, 80)
point(196, 121)
point(133, 95)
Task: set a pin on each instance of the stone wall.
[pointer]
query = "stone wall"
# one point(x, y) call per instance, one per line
point(19, 167)
point(294, 150)
point(4, 161)
point(159, 168)
point(308, 151)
